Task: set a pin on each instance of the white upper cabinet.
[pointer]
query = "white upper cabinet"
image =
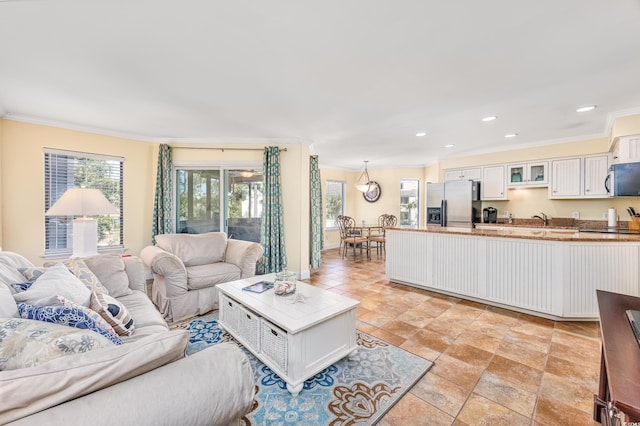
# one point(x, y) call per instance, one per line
point(528, 174)
point(581, 177)
point(493, 183)
point(576, 177)
point(474, 173)
point(566, 178)
point(596, 169)
point(627, 149)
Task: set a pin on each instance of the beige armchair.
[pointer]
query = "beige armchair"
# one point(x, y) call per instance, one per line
point(186, 268)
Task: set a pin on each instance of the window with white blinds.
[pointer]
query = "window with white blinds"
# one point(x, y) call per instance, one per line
point(67, 169)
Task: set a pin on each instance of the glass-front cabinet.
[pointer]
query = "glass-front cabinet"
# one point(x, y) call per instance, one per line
point(528, 174)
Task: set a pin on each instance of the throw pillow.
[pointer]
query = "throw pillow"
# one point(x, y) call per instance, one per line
point(100, 322)
point(19, 287)
point(110, 270)
point(26, 343)
point(14, 260)
point(10, 275)
point(32, 273)
point(54, 281)
point(80, 269)
point(8, 307)
point(66, 315)
point(113, 312)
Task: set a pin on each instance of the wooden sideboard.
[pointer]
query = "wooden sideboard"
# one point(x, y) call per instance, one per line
point(618, 399)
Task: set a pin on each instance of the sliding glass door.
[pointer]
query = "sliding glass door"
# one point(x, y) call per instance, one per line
point(219, 199)
point(243, 204)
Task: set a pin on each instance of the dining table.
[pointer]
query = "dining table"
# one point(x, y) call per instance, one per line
point(365, 230)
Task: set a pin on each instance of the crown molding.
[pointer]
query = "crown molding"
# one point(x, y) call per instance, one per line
point(613, 116)
point(76, 127)
point(174, 142)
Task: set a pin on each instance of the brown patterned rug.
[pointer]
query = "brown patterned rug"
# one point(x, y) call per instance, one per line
point(358, 389)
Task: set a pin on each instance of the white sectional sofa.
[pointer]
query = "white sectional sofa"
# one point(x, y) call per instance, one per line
point(145, 380)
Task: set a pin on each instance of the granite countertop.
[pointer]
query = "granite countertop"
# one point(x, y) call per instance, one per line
point(515, 232)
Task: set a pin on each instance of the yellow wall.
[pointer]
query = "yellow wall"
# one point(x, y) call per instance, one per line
point(625, 126)
point(389, 201)
point(360, 209)
point(21, 185)
point(522, 203)
point(23, 189)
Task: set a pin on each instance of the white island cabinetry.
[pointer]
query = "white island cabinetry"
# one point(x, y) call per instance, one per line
point(546, 277)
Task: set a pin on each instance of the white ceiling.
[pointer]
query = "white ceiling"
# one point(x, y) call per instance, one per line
point(357, 79)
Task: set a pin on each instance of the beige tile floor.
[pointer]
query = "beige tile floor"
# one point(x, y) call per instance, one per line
point(492, 366)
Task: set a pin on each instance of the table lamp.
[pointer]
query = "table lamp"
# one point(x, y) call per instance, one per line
point(83, 202)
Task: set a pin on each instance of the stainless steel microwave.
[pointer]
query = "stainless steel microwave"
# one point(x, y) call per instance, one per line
point(623, 180)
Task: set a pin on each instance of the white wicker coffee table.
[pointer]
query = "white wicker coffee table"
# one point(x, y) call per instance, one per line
point(295, 339)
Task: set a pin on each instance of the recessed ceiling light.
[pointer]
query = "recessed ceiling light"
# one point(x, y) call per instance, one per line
point(510, 135)
point(489, 118)
point(449, 146)
point(421, 134)
point(586, 108)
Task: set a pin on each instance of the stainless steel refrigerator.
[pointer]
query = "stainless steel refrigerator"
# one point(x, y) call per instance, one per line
point(453, 203)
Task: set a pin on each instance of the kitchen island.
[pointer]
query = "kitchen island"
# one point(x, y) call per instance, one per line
point(546, 273)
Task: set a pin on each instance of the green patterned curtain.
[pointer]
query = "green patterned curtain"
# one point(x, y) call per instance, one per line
point(315, 213)
point(162, 205)
point(274, 258)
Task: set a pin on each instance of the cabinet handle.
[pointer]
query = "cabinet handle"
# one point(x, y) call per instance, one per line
point(587, 190)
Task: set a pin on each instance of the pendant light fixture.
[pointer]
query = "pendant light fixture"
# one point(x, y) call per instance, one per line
point(363, 184)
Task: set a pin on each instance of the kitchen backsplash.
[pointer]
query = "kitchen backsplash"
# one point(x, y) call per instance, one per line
point(562, 222)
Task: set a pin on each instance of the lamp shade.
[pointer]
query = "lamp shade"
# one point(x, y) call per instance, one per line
point(82, 202)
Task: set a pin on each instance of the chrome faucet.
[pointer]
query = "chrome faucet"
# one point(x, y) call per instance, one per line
point(543, 218)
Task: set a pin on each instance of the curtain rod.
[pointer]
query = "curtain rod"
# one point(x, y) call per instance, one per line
point(225, 149)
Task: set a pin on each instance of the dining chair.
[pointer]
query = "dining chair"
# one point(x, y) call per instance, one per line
point(379, 237)
point(352, 237)
point(340, 219)
point(345, 231)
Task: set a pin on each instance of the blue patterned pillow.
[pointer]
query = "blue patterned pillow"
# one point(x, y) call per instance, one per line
point(20, 287)
point(65, 315)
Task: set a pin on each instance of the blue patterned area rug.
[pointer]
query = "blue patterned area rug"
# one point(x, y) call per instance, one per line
point(357, 390)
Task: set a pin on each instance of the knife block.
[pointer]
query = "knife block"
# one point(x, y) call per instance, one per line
point(634, 223)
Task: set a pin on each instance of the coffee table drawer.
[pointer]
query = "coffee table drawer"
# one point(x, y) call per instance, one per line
point(249, 327)
point(273, 344)
point(230, 312)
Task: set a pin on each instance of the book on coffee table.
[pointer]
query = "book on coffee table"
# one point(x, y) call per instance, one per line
point(259, 287)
